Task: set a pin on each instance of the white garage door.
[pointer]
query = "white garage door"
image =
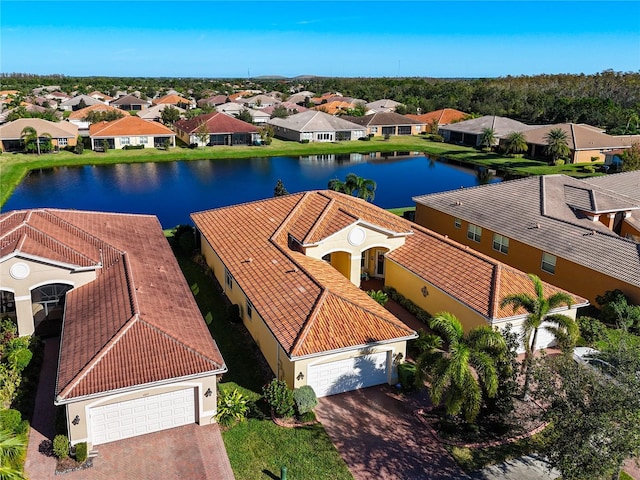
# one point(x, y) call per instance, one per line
point(349, 374)
point(142, 415)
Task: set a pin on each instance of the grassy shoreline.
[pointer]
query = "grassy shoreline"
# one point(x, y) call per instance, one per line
point(14, 167)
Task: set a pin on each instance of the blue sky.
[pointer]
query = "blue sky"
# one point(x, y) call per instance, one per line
point(452, 38)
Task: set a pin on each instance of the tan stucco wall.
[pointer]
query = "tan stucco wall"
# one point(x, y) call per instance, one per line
point(410, 286)
point(40, 273)
point(206, 407)
point(570, 276)
point(584, 156)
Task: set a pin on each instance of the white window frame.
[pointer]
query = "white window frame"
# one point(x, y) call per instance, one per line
point(125, 141)
point(474, 232)
point(250, 309)
point(457, 223)
point(62, 142)
point(549, 261)
point(144, 140)
point(500, 243)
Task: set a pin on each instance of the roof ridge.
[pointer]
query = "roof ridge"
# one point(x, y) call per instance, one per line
point(309, 321)
point(496, 278)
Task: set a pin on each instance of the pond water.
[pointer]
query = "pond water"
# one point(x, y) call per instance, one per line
point(173, 190)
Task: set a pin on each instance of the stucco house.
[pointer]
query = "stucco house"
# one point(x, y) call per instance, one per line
point(383, 105)
point(154, 113)
point(129, 102)
point(79, 116)
point(582, 235)
point(174, 100)
point(130, 131)
point(444, 116)
point(135, 353)
point(469, 132)
point(79, 102)
point(314, 126)
point(388, 123)
point(293, 265)
point(62, 134)
point(218, 128)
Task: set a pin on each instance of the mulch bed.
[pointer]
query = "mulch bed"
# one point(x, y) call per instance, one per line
point(66, 465)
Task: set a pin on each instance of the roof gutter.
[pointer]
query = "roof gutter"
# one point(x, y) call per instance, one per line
point(353, 348)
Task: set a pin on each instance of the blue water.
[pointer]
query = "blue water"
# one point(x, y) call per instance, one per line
point(174, 190)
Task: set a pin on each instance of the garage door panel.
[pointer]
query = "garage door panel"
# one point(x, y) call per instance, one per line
point(143, 415)
point(348, 374)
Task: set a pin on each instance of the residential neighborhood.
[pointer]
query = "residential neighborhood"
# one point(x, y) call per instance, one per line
point(315, 311)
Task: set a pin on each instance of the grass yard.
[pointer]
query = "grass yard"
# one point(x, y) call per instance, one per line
point(258, 448)
point(15, 166)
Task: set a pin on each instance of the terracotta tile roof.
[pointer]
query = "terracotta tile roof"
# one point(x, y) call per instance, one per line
point(128, 125)
point(538, 211)
point(303, 300)
point(216, 123)
point(333, 107)
point(476, 280)
point(98, 107)
point(444, 116)
point(137, 322)
point(172, 100)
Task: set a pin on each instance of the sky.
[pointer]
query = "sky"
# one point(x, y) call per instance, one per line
point(372, 38)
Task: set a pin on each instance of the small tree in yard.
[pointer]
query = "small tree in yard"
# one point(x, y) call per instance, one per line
point(280, 190)
point(232, 407)
point(487, 138)
point(631, 158)
point(305, 399)
point(279, 397)
point(202, 133)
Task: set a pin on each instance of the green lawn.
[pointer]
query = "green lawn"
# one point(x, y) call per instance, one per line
point(14, 167)
point(258, 448)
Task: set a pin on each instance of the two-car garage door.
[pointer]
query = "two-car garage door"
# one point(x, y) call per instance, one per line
point(349, 374)
point(143, 415)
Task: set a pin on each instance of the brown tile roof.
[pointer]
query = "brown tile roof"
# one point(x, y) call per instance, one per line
point(216, 123)
point(303, 301)
point(99, 107)
point(128, 125)
point(444, 116)
point(476, 280)
point(137, 322)
point(13, 130)
point(579, 137)
point(129, 100)
point(172, 100)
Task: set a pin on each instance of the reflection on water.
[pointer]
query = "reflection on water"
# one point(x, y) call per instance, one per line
point(173, 190)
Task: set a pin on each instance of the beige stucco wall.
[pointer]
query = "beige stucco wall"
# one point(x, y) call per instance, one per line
point(206, 407)
point(40, 273)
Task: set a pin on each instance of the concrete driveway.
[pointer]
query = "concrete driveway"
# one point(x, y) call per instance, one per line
point(378, 436)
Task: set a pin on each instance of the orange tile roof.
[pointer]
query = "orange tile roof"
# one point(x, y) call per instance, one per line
point(217, 122)
point(444, 116)
point(334, 107)
point(137, 322)
point(303, 301)
point(172, 100)
point(98, 107)
point(128, 125)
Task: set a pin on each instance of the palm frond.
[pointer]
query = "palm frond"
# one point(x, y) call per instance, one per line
point(448, 326)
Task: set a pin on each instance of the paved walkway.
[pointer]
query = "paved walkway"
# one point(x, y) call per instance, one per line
point(192, 451)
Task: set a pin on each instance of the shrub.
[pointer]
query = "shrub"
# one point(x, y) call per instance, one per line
point(591, 329)
point(61, 446)
point(379, 296)
point(10, 420)
point(589, 169)
point(436, 138)
point(305, 399)
point(308, 417)
point(19, 358)
point(595, 158)
point(81, 452)
point(79, 148)
point(279, 397)
point(407, 375)
point(232, 407)
point(304, 140)
point(365, 138)
point(558, 162)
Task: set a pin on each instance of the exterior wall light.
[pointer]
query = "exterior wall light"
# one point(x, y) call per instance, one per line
point(300, 376)
point(76, 420)
point(424, 291)
point(208, 393)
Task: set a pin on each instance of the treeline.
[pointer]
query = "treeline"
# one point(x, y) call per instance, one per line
point(609, 99)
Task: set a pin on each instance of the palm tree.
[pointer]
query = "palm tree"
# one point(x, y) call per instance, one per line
point(466, 371)
point(557, 144)
point(361, 187)
point(487, 137)
point(11, 450)
point(29, 135)
point(515, 142)
point(538, 308)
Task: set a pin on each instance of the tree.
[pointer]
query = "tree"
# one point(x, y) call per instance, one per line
point(280, 111)
point(280, 190)
point(594, 419)
point(354, 185)
point(631, 158)
point(487, 137)
point(34, 141)
point(104, 116)
point(615, 309)
point(170, 115)
point(557, 144)
point(514, 143)
point(245, 115)
point(12, 448)
point(202, 133)
point(538, 309)
point(464, 374)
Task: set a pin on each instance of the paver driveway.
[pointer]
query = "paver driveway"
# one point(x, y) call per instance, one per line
point(379, 437)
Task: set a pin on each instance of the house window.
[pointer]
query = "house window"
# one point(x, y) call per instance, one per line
point(474, 232)
point(144, 140)
point(62, 142)
point(548, 263)
point(228, 279)
point(374, 129)
point(124, 140)
point(249, 309)
point(457, 223)
point(500, 243)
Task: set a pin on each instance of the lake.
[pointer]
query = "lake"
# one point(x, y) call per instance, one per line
point(173, 190)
